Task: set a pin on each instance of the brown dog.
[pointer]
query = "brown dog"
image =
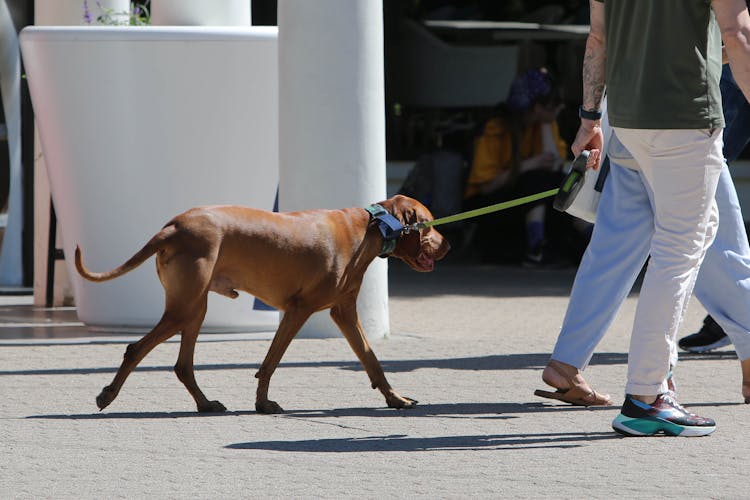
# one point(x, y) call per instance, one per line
point(298, 262)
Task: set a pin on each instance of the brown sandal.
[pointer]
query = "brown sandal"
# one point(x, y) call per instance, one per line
point(574, 395)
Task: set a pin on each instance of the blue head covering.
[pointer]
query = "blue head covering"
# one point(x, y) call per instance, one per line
point(528, 88)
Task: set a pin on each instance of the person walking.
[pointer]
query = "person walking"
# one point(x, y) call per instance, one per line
point(665, 110)
point(727, 263)
point(726, 266)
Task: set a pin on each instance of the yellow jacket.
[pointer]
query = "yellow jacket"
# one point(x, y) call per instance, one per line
point(493, 151)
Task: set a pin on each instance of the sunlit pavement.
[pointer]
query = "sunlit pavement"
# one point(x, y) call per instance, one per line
point(467, 342)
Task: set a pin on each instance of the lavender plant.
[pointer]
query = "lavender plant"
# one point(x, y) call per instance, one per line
point(138, 15)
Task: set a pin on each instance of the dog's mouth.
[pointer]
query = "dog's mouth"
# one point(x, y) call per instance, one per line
point(425, 262)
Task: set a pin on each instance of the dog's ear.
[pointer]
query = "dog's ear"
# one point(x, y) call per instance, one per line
point(406, 210)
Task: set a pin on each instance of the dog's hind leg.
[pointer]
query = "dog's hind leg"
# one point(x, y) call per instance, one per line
point(288, 327)
point(185, 305)
point(134, 353)
point(184, 369)
point(345, 316)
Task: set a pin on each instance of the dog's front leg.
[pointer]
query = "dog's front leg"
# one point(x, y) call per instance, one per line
point(288, 328)
point(345, 316)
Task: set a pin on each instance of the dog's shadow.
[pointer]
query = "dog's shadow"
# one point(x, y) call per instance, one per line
point(147, 415)
point(402, 443)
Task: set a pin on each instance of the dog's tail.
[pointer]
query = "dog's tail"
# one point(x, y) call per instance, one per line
point(136, 260)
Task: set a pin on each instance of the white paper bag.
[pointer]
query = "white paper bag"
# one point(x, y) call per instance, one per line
point(585, 204)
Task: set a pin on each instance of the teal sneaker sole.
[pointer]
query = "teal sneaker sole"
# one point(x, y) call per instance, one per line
point(649, 426)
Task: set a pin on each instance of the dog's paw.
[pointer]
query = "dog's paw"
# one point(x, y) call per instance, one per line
point(400, 402)
point(268, 407)
point(105, 397)
point(212, 407)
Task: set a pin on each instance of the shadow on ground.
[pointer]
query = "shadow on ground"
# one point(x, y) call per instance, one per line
point(530, 361)
point(403, 443)
point(490, 411)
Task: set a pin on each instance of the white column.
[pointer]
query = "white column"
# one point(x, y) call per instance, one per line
point(332, 125)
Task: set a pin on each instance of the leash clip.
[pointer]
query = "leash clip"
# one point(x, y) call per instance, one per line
point(413, 227)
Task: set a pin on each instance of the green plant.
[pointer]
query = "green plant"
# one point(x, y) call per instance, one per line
point(138, 15)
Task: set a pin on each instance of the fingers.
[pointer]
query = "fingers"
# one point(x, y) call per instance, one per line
point(588, 137)
point(593, 161)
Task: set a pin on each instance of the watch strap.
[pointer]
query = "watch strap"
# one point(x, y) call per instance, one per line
point(589, 114)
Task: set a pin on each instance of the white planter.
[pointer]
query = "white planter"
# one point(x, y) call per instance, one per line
point(138, 125)
point(201, 12)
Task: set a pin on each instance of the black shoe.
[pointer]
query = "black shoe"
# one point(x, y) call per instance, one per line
point(709, 337)
point(545, 259)
point(663, 415)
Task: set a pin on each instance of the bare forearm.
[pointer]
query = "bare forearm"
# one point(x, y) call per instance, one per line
point(594, 63)
point(595, 58)
point(589, 135)
point(734, 21)
point(738, 52)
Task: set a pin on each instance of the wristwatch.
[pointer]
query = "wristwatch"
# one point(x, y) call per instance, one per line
point(589, 114)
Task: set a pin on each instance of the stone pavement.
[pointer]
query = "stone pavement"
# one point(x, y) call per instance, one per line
point(467, 341)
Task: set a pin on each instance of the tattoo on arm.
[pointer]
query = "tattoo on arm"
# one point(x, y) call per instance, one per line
point(594, 63)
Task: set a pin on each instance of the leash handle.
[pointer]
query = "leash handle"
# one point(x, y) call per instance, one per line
point(484, 210)
point(572, 183)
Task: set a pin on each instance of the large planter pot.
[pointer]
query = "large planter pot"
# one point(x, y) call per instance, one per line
point(140, 124)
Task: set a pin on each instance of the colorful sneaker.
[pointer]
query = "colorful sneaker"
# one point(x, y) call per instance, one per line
point(664, 415)
point(711, 336)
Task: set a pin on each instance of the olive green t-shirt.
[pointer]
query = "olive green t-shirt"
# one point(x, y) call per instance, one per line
point(663, 64)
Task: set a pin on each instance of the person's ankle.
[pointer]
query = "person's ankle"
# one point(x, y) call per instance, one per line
point(745, 363)
point(649, 400)
point(563, 368)
point(560, 375)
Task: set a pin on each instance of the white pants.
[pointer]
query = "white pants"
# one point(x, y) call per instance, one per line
point(680, 170)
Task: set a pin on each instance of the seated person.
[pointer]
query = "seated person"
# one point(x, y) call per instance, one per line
point(519, 153)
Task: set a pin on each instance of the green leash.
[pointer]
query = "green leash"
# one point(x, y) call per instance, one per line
point(484, 210)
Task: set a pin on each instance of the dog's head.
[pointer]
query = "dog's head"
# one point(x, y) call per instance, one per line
point(418, 248)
